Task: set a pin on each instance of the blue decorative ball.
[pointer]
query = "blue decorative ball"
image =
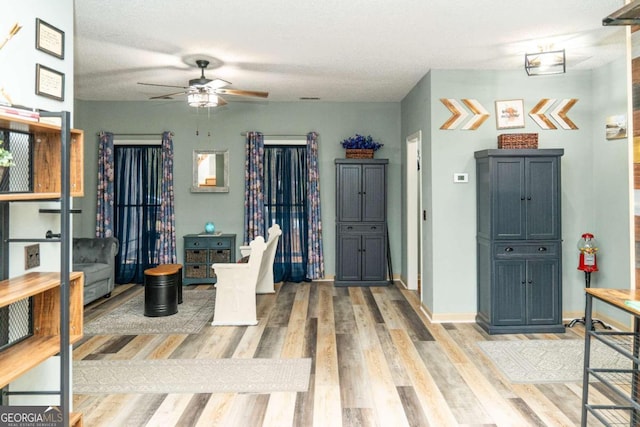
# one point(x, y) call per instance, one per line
point(209, 228)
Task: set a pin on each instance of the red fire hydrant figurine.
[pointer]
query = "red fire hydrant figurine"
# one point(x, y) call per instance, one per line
point(588, 246)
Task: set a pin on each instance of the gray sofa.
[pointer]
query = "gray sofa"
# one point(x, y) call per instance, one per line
point(95, 257)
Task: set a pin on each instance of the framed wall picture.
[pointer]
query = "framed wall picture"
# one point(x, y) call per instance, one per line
point(49, 39)
point(49, 83)
point(616, 127)
point(510, 114)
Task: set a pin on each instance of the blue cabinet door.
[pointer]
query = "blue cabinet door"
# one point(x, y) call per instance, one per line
point(509, 293)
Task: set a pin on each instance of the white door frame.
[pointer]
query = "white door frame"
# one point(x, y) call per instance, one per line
point(413, 197)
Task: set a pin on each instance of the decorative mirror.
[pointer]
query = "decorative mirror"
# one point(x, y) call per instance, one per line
point(210, 171)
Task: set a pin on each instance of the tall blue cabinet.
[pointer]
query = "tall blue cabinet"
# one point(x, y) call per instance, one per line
point(361, 222)
point(519, 241)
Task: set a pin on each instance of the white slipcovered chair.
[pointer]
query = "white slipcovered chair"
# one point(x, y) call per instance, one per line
point(265, 276)
point(236, 288)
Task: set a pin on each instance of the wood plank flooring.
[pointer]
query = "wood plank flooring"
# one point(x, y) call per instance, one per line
point(377, 361)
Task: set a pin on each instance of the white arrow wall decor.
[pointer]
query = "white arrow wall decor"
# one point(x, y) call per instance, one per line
point(459, 114)
point(480, 114)
point(537, 113)
point(558, 113)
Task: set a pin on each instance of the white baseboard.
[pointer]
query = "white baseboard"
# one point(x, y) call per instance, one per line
point(448, 317)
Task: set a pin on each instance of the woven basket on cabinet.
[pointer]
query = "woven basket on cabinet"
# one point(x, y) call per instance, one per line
point(518, 140)
point(359, 153)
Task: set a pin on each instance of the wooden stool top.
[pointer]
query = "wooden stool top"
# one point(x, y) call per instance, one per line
point(170, 267)
point(163, 270)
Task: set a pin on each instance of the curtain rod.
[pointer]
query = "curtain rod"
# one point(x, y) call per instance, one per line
point(137, 134)
point(272, 135)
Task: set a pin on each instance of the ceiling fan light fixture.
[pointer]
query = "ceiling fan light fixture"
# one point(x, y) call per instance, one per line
point(203, 92)
point(545, 63)
point(202, 98)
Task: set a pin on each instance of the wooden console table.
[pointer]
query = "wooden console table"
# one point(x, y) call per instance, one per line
point(201, 251)
point(622, 382)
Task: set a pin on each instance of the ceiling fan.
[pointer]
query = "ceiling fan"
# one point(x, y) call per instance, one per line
point(204, 92)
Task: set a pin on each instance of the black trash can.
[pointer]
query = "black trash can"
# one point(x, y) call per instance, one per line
point(160, 292)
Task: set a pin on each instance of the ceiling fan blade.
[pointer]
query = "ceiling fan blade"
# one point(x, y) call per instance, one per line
point(239, 92)
point(167, 96)
point(154, 84)
point(221, 102)
point(217, 83)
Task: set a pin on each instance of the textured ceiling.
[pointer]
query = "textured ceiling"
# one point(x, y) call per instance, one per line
point(337, 50)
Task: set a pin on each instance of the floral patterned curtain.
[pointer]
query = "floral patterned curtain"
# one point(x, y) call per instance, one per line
point(104, 212)
point(315, 256)
point(167, 227)
point(254, 187)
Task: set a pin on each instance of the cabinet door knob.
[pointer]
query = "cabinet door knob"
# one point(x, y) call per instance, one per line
point(349, 228)
point(373, 227)
point(529, 198)
point(530, 281)
point(542, 249)
point(508, 249)
point(522, 198)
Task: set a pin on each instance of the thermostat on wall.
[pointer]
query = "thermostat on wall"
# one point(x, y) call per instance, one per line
point(460, 177)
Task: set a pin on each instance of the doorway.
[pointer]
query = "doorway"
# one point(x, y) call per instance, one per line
point(414, 212)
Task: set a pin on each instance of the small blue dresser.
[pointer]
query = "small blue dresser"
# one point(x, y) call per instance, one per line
point(203, 250)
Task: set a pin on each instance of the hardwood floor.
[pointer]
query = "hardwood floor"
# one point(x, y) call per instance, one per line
point(377, 361)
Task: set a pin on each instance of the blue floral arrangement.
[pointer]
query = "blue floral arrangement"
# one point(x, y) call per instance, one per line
point(359, 141)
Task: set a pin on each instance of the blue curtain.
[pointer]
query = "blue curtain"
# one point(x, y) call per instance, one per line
point(285, 201)
point(138, 199)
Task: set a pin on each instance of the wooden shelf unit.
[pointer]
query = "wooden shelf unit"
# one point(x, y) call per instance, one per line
point(46, 160)
point(45, 341)
point(45, 287)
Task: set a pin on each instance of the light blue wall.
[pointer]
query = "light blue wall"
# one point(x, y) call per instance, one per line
point(612, 203)
point(450, 264)
point(416, 116)
point(18, 79)
point(333, 121)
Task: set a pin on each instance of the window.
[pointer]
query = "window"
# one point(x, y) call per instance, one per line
point(285, 196)
point(137, 183)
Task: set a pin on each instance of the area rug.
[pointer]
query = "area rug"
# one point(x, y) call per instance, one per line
point(191, 376)
point(543, 361)
point(195, 311)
